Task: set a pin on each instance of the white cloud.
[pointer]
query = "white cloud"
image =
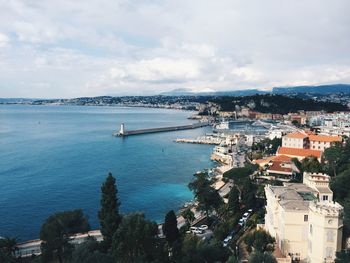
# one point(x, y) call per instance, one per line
point(4, 40)
point(78, 48)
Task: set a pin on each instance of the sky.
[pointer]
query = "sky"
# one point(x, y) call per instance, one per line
point(65, 49)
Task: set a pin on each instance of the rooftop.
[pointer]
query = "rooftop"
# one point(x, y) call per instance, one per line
point(298, 152)
point(296, 135)
point(324, 138)
point(294, 196)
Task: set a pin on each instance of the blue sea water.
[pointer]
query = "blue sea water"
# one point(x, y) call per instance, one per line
point(55, 158)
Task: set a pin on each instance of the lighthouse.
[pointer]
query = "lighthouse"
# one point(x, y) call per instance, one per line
point(121, 131)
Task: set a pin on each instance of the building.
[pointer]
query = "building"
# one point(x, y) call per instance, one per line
point(307, 140)
point(297, 140)
point(322, 142)
point(304, 220)
point(300, 154)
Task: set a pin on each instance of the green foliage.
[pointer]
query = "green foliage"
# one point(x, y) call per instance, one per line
point(109, 213)
point(340, 185)
point(170, 229)
point(271, 103)
point(207, 197)
point(343, 256)
point(232, 259)
point(311, 164)
point(194, 250)
point(333, 156)
point(55, 234)
point(7, 249)
point(135, 240)
point(260, 240)
point(259, 257)
point(88, 252)
point(248, 191)
point(267, 146)
point(233, 200)
point(241, 173)
point(188, 215)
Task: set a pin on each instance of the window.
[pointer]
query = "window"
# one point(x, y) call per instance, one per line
point(330, 236)
point(306, 218)
point(325, 198)
point(311, 229)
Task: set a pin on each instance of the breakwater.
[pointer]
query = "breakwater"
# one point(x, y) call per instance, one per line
point(123, 132)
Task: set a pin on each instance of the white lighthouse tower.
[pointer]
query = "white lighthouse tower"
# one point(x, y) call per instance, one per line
point(122, 129)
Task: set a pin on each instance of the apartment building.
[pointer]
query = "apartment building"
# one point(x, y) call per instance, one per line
point(322, 142)
point(297, 140)
point(303, 218)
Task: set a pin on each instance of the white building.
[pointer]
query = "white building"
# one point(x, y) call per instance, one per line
point(305, 221)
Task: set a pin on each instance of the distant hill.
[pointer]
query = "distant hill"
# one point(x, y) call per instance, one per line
point(322, 89)
point(233, 93)
point(275, 103)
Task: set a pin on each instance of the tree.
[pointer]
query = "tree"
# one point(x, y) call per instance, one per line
point(136, 240)
point(88, 252)
point(7, 249)
point(343, 256)
point(206, 195)
point(260, 240)
point(259, 257)
point(311, 164)
point(248, 191)
point(109, 213)
point(233, 200)
point(333, 156)
point(340, 185)
point(55, 234)
point(188, 215)
point(170, 229)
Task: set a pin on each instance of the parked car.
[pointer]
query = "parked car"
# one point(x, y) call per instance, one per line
point(193, 228)
point(241, 222)
point(227, 240)
point(203, 227)
point(245, 216)
point(197, 231)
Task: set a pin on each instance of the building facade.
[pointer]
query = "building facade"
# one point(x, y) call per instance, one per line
point(304, 220)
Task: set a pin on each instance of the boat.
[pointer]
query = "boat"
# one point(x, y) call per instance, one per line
point(224, 125)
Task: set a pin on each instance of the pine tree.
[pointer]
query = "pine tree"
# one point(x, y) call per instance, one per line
point(233, 200)
point(170, 229)
point(109, 213)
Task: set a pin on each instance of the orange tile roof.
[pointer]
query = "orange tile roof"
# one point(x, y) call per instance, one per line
point(299, 152)
point(277, 167)
point(281, 158)
point(296, 135)
point(324, 138)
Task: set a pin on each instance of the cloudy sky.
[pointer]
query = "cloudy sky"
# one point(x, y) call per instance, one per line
point(59, 48)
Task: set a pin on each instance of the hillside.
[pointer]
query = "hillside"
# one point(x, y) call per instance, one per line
point(278, 104)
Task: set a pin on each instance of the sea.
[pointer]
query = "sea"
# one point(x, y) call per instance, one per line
point(55, 158)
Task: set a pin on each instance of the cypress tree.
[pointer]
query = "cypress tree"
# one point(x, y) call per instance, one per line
point(109, 213)
point(170, 229)
point(233, 200)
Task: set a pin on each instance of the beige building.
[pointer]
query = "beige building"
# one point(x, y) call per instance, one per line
point(297, 140)
point(322, 142)
point(303, 218)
